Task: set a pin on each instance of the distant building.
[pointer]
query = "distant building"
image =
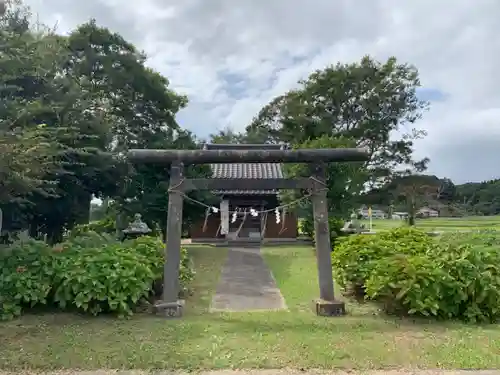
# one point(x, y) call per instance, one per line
point(376, 214)
point(427, 212)
point(400, 215)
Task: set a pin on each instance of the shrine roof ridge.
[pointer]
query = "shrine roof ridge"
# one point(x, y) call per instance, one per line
point(246, 170)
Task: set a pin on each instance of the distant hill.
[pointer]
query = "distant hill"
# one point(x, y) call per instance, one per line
point(481, 198)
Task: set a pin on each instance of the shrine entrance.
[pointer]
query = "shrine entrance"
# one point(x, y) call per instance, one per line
point(326, 305)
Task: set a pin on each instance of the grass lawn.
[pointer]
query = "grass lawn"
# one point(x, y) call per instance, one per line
point(293, 339)
point(442, 224)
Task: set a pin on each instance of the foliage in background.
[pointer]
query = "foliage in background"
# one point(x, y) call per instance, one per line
point(479, 198)
point(71, 106)
point(441, 194)
point(366, 101)
point(106, 225)
point(306, 228)
point(362, 104)
point(343, 180)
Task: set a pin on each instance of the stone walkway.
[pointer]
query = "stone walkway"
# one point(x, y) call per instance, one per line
point(246, 284)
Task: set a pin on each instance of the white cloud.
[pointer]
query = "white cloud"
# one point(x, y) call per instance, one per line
point(269, 45)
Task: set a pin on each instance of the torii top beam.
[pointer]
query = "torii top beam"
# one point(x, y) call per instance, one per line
point(248, 156)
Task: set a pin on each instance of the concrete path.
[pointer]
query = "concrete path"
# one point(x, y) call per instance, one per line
point(246, 284)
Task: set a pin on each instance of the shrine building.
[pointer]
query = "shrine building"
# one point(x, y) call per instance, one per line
point(239, 215)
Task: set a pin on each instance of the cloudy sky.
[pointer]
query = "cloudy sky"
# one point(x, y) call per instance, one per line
point(232, 56)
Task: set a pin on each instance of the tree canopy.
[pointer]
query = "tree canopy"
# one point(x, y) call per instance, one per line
point(71, 105)
point(365, 104)
point(368, 101)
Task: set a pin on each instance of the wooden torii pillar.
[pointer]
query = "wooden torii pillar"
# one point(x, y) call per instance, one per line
point(326, 305)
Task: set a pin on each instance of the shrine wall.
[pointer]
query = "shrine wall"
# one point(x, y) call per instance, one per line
point(196, 230)
point(273, 229)
point(287, 228)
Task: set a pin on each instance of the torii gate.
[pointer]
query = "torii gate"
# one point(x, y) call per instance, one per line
point(326, 305)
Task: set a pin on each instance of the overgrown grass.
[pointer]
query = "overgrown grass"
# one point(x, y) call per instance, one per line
point(295, 338)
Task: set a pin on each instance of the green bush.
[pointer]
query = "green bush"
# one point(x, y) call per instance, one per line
point(26, 272)
point(409, 284)
point(476, 270)
point(154, 250)
point(410, 273)
point(87, 239)
point(407, 235)
point(186, 272)
point(449, 282)
point(110, 278)
point(91, 272)
point(106, 225)
point(306, 228)
point(355, 256)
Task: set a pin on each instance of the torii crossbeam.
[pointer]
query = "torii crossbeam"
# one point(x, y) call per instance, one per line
point(326, 305)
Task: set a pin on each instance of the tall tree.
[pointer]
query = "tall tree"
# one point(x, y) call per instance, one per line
point(28, 149)
point(27, 72)
point(142, 108)
point(367, 101)
point(415, 194)
point(344, 182)
point(226, 136)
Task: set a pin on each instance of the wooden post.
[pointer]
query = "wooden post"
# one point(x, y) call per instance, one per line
point(171, 306)
point(326, 305)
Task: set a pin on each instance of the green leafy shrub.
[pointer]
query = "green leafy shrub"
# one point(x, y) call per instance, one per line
point(306, 228)
point(335, 225)
point(92, 272)
point(448, 281)
point(186, 272)
point(106, 225)
point(409, 284)
point(355, 256)
point(88, 239)
point(110, 278)
point(406, 235)
point(26, 272)
point(476, 270)
point(481, 238)
point(154, 250)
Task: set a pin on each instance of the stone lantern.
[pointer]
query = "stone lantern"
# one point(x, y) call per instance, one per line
point(352, 226)
point(136, 228)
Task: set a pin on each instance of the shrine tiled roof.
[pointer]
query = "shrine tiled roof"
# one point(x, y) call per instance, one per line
point(246, 170)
